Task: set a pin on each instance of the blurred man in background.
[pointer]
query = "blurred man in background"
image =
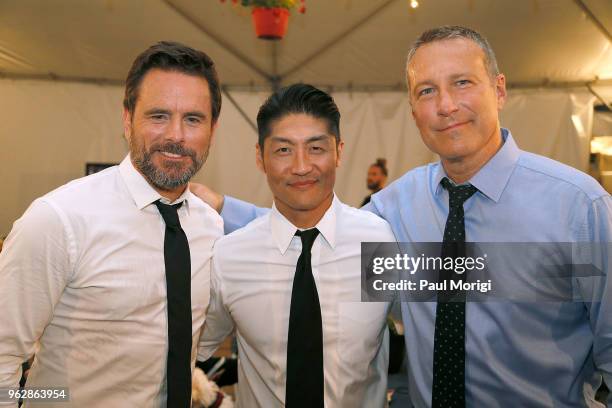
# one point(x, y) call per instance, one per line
point(377, 178)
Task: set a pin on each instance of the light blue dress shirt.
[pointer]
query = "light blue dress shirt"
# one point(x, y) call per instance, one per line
point(545, 354)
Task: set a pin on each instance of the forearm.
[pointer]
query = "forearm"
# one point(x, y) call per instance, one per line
point(218, 327)
point(596, 289)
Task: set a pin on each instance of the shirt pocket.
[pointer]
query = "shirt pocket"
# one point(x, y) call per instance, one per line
point(361, 327)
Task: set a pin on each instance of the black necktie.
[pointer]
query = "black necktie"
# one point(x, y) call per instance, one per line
point(448, 389)
point(305, 341)
point(178, 288)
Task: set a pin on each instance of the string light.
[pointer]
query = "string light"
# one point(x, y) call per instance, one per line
point(414, 4)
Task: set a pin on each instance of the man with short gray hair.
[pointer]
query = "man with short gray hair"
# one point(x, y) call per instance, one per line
point(500, 353)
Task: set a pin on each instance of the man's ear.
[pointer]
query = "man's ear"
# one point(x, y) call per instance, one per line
point(259, 158)
point(339, 153)
point(409, 91)
point(213, 132)
point(127, 124)
point(500, 89)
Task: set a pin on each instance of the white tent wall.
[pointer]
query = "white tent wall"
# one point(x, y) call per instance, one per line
point(49, 130)
point(556, 123)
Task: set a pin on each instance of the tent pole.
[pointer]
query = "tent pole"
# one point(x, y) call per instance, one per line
point(275, 80)
point(399, 87)
point(598, 96)
point(239, 109)
point(594, 19)
point(61, 78)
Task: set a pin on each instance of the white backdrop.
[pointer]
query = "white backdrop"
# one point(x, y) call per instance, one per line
point(49, 130)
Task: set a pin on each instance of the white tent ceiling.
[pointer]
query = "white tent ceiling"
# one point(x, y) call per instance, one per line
point(340, 43)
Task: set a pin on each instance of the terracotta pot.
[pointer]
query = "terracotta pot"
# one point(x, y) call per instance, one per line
point(270, 23)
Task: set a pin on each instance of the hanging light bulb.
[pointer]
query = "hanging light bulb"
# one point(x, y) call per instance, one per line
point(414, 4)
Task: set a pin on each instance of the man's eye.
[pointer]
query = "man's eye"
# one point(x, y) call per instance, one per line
point(282, 150)
point(194, 120)
point(463, 82)
point(425, 91)
point(158, 117)
point(317, 149)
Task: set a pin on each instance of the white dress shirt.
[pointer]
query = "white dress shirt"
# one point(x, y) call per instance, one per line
point(251, 283)
point(83, 273)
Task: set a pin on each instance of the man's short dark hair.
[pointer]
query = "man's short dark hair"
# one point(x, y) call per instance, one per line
point(296, 99)
point(381, 163)
point(173, 56)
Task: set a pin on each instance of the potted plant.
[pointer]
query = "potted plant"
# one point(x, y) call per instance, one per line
point(271, 17)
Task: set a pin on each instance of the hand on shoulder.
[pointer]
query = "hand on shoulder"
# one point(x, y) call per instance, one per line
point(209, 196)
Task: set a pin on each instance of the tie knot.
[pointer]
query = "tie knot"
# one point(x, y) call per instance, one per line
point(308, 238)
point(458, 195)
point(169, 213)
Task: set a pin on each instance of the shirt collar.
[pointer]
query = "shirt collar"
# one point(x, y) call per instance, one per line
point(492, 178)
point(141, 191)
point(283, 230)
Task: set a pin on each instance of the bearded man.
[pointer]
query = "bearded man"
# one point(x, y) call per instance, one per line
point(110, 273)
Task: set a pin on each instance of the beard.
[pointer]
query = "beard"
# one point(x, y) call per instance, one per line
point(374, 185)
point(169, 175)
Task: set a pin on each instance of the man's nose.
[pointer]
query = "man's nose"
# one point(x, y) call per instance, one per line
point(446, 103)
point(301, 162)
point(176, 131)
